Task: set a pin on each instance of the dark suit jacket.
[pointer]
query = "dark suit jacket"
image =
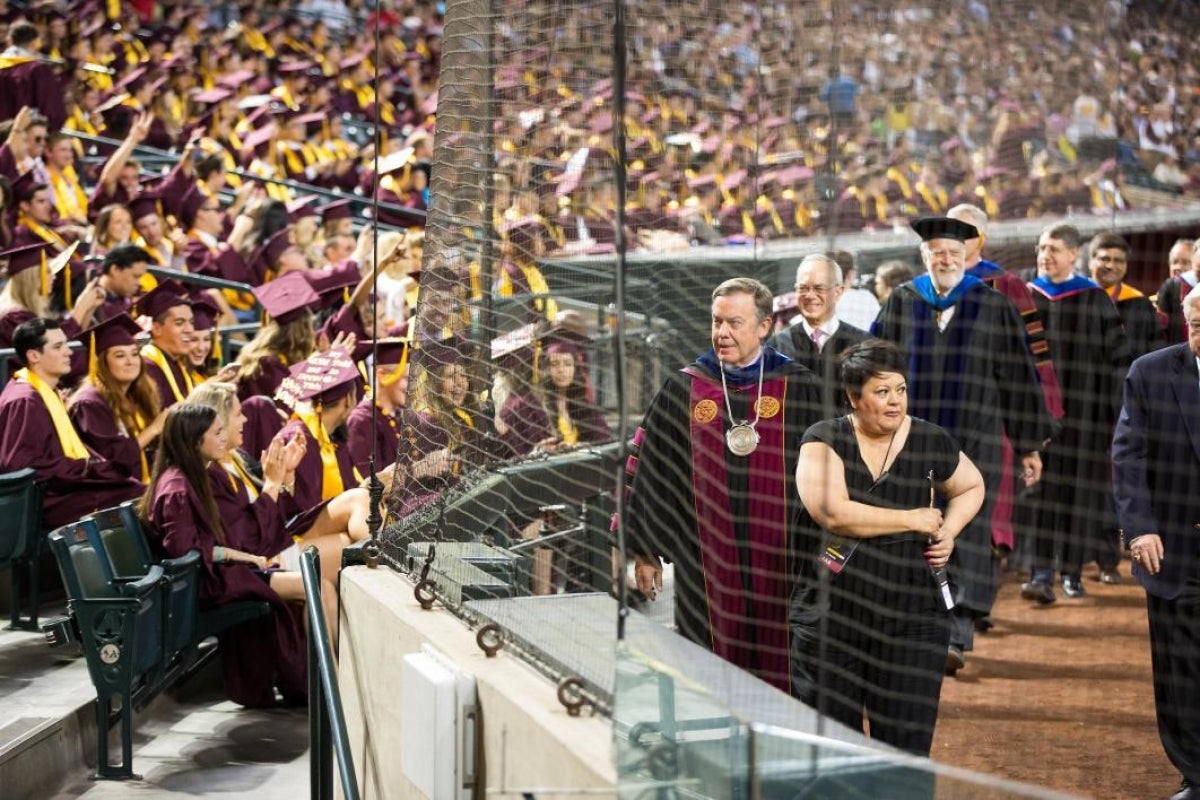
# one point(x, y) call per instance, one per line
point(795, 343)
point(1156, 463)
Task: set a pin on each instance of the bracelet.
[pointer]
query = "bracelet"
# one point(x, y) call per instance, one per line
point(218, 555)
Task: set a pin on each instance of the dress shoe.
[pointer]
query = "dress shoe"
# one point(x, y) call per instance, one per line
point(1187, 791)
point(1111, 577)
point(1040, 591)
point(984, 624)
point(955, 660)
point(1072, 587)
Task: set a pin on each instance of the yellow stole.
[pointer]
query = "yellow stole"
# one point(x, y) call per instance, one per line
point(68, 438)
point(331, 473)
point(989, 203)
point(937, 201)
point(158, 358)
point(69, 198)
point(568, 431)
point(141, 426)
point(233, 469)
point(60, 244)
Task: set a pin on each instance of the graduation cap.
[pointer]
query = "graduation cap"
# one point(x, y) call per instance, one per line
point(26, 186)
point(294, 69)
point(287, 297)
point(210, 97)
point(27, 257)
point(930, 228)
point(257, 141)
point(301, 207)
point(145, 204)
point(269, 253)
point(235, 80)
point(521, 232)
point(515, 349)
point(191, 203)
point(338, 209)
point(322, 379)
point(205, 314)
point(167, 295)
point(118, 331)
point(334, 283)
point(391, 353)
point(564, 340)
point(436, 353)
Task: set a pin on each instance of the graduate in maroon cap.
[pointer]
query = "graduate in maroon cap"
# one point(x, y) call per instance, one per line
point(520, 418)
point(38, 433)
point(205, 355)
point(384, 437)
point(575, 418)
point(31, 271)
point(116, 409)
point(172, 333)
point(284, 340)
point(205, 252)
point(322, 392)
point(28, 79)
point(181, 514)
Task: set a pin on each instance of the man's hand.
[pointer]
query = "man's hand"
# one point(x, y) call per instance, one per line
point(1031, 468)
point(647, 570)
point(1147, 552)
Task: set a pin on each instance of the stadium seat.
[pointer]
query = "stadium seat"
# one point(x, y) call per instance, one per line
point(21, 539)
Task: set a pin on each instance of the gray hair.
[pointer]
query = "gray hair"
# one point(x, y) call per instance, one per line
point(972, 215)
point(1191, 299)
point(820, 258)
point(763, 299)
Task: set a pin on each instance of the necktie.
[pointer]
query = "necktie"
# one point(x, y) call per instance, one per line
point(818, 337)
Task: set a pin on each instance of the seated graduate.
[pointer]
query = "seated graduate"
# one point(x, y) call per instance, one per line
point(322, 391)
point(395, 422)
point(26, 295)
point(182, 515)
point(116, 409)
point(262, 517)
point(172, 333)
point(35, 431)
point(285, 339)
point(575, 418)
point(204, 357)
point(521, 422)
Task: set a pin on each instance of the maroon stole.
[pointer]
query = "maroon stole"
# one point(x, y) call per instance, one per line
point(766, 506)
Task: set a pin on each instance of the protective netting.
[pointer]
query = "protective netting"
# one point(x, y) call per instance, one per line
point(755, 135)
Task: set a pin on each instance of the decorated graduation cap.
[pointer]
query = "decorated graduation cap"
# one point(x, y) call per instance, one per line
point(116, 331)
point(322, 379)
point(338, 209)
point(156, 302)
point(930, 228)
point(287, 297)
point(516, 349)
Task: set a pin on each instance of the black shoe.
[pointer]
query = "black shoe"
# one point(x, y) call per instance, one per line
point(984, 624)
point(1040, 591)
point(1187, 791)
point(955, 660)
point(1072, 587)
point(1111, 577)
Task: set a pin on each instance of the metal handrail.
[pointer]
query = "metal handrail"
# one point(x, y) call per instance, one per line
point(326, 720)
point(301, 188)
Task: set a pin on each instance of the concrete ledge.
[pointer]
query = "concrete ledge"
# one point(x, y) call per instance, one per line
point(529, 740)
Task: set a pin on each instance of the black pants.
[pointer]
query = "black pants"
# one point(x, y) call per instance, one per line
point(884, 649)
point(1175, 654)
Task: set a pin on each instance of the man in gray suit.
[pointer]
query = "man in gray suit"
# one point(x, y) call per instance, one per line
point(1156, 482)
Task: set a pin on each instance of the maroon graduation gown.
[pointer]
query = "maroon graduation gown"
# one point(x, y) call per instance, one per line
point(310, 474)
point(74, 487)
point(97, 424)
point(258, 655)
point(166, 396)
point(387, 437)
point(271, 373)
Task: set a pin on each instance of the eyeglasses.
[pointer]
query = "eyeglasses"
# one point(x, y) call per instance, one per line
point(820, 291)
point(210, 208)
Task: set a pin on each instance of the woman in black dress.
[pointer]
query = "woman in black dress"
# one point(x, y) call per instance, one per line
point(884, 495)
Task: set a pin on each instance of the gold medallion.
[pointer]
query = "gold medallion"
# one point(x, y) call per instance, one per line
point(767, 407)
point(704, 412)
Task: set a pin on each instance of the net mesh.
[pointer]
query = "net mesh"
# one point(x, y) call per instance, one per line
point(756, 135)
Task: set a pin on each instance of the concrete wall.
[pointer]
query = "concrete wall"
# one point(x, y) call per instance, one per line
point(529, 741)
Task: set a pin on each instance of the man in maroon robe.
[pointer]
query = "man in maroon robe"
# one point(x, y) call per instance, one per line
point(713, 490)
point(36, 432)
point(172, 334)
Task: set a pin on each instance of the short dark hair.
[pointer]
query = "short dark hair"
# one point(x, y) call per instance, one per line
point(207, 165)
point(124, 256)
point(1067, 234)
point(1107, 241)
point(23, 33)
point(31, 335)
point(869, 359)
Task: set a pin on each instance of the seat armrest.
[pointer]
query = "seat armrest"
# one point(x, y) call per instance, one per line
point(143, 586)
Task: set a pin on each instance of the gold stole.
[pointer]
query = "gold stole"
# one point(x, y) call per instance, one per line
point(331, 472)
point(233, 469)
point(141, 426)
point(570, 433)
point(989, 203)
point(158, 358)
point(49, 235)
point(764, 203)
point(69, 198)
point(68, 437)
point(936, 202)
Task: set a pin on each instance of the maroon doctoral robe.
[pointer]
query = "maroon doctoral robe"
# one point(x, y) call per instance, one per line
point(74, 486)
point(100, 430)
point(258, 655)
